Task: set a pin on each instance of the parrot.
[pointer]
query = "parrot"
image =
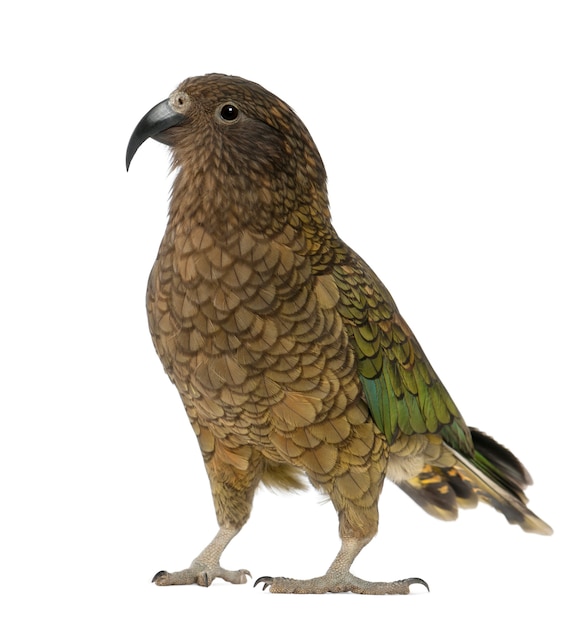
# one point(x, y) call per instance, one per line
point(289, 354)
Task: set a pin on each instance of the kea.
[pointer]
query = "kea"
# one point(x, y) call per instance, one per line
point(288, 352)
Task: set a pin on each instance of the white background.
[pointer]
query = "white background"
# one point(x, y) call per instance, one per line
point(447, 129)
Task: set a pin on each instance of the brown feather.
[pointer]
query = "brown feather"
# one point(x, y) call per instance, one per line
point(271, 327)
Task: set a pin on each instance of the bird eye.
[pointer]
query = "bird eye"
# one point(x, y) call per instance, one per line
point(229, 112)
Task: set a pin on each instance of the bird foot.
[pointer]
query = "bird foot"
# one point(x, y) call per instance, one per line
point(202, 575)
point(338, 583)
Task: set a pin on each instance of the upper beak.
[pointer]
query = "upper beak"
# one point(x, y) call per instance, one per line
point(156, 120)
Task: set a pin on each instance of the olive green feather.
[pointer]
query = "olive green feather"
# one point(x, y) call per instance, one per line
point(403, 392)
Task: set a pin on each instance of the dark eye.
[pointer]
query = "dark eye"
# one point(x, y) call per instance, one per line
point(229, 112)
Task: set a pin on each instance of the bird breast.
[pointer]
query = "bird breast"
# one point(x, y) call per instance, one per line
point(247, 332)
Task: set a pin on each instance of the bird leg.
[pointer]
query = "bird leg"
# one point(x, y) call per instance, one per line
point(338, 578)
point(206, 566)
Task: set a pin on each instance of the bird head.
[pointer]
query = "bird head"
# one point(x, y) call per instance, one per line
point(232, 119)
point(229, 136)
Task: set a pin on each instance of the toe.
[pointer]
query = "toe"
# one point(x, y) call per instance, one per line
point(337, 584)
point(417, 581)
point(265, 580)
point(160, 577)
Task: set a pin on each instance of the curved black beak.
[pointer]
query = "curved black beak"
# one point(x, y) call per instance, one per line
point(156, 120)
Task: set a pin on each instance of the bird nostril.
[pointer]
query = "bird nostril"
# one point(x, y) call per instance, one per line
point(179, 100)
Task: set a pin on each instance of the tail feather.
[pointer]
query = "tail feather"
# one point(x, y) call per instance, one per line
point(441, 492)
point(492, 475)
point(501, 465)
point(499, 478)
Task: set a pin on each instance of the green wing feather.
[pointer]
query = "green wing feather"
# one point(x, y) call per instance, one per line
point(403, 392)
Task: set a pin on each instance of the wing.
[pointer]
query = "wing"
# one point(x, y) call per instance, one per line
point(403, 392)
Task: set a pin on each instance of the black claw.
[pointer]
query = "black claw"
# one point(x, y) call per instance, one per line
point(266, 580)
point(206, 580)
point(414, 581)
point(159, 575)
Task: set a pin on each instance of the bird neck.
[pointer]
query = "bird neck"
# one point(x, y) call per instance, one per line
point(223, 201)
point(218, 209)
